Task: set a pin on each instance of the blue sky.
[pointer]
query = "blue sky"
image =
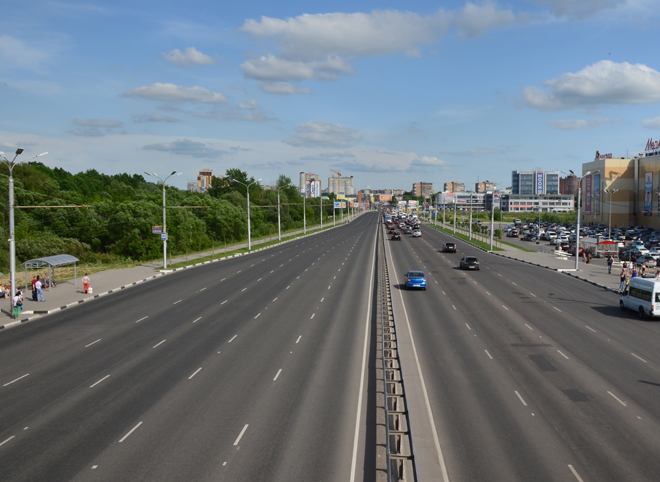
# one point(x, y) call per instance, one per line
point(389, 92)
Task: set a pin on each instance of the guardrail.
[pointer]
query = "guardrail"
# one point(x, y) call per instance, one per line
point(399, 445)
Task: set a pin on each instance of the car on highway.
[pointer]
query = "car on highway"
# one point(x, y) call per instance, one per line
point(417, 233)
point(469, 262)
point(449, 248)
point(407, 230)
point(396, 236)
point(416, 279)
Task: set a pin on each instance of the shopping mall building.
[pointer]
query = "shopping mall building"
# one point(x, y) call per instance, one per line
point(625, 189)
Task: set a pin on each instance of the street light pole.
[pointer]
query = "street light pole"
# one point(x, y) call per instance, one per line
point(279, 225)
point(247, 188)
point(12, 235)
point(577, 230)
point(470, 215)
point(153, 174)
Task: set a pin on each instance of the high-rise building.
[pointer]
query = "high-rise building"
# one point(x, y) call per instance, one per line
point(204, 179)
point(454, 187)
point(535, 182)
point(342, 187)
point(569, 184)
point(485, 186)
point(305, 178)
point(423, 189)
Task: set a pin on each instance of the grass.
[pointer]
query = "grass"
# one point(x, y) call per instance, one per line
point(474, 241)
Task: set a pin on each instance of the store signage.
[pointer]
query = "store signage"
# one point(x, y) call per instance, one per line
point(603, 156)
point(539, 183)
point(652, 145)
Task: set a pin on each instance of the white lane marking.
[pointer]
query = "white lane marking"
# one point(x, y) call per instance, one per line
point(322, 300)
point(259, 279)
point(9, 383)
point(474, 282)
point(563, 355)
point(312, 315)
point(160, 343)
point(507, 309)
point(444, 293)
point(202, 289)
point(329, 286)
point(487, 293)
point(435, 282)
point(258, 314)
point(132, 430)
point(499, 274)
point(273, 271)
point(577, 476)
point(453, 306)
point(334, 277)
point(298, 277)
point(533, 295)
point(223, 302)
point(281, 265)
point(591, 329)
point(468, 327)
point(557, 309)
point(197, 319)
point(489, 356)
point(223, 279)
point(298, 338)
point(529, 327)
point(306, 269)
point(521, 398)
point(514, 283)
point(251, 265)
point(441, 459)
point(617, 399)
point(93, 343)
point(232, 339)
point(176, 302)
point(288, 287)
point(196, 372)
point(2, 443)
point(141, 319)
point(243, 289)
point(275, 299)
point(239, 271)
point(94, 384)
point(638, 357)
point(241, 434)
point(278, 374)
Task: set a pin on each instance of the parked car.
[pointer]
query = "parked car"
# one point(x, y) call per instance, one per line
point(416, 279)
point(647, 260)
point(469, 262)
point(449, 248)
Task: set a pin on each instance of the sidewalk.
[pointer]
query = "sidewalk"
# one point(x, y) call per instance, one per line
point(67, 295)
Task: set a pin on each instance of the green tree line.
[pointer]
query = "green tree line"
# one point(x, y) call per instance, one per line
point(120, 210)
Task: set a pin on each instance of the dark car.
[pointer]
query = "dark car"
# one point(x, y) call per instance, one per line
point(407, 230)
point(470, 262)
point(449, 248)
point(392, 230)
point(416, 279)
point(396, 235)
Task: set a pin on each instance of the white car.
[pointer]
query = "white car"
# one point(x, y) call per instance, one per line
point(417, 233)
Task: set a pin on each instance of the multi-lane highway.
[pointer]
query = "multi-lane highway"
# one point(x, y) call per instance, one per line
point(254, 368)
point(529, 374)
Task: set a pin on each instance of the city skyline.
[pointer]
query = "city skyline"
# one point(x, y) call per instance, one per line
point(387, 95)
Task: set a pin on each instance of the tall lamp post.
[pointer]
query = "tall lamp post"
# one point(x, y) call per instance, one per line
point(247, 188)
point(279, 225)
point(609, 224)
point(577, 230)
point(153, 174)
point(12, 236)
point(470, 215)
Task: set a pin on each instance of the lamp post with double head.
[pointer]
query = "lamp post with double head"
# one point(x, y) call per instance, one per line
point(609, 223)
point(162, 181)
point(577, 229)
point(12, 236)
point(247, 188)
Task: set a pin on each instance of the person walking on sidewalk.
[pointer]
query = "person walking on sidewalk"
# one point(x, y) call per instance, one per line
point(85, 282)
point(17, 304)
point(34, 289)
point(40, 294)
point(642, 271)
point(622, 277)
point(610, 262)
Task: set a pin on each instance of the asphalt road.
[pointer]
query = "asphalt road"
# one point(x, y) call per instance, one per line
point(530, 375)
point(254, 368)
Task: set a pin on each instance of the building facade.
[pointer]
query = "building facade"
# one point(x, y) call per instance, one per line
point(454, 187)
point(545, 203)
point(535, 182)
point(344, 186)
point(204, 179)
point(485, 186)
point(423, 189)
point(305, 178)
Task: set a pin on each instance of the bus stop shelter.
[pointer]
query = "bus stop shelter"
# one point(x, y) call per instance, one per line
point(51, 262)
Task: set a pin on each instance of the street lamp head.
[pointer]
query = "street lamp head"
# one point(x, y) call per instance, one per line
point(19, 151)
point(173, 173)
point(177, 173)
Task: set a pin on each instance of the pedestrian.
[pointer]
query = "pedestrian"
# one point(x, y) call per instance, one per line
point(657, 274)
point(85, 282)
point(17, 304)
point(642, 271)
point(34, 289)
point(588, 257)
point(622, 277)
point(40, 294)
point(610, 262)
point(634, 273)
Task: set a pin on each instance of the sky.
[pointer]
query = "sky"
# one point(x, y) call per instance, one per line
point(389, 92)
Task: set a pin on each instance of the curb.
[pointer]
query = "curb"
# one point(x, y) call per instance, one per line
point(40, 314)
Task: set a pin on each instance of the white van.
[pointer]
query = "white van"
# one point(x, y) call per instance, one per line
point(643, 296)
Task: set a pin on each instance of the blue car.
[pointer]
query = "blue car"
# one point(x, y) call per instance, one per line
point(416, 279)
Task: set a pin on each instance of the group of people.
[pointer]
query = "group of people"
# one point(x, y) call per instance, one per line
point(37, 293)
point(629, 271)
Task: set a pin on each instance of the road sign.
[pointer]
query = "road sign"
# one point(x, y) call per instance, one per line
point(156, 229)
point(163, 236)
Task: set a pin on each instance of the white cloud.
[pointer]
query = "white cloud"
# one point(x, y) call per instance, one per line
point(652, 123)
point(579, 9)
point(190, 58)
point(186, 147)
point(98, 122)
point(141, 118)
point(475, 20)
point(274, 68)
point(426, 163)
point(175, 93)
point(282, 88)
point(323, 134)
point(604, 82)
point(580, 124)
point(249, 104)
point(16, 53)
point(91, 132)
